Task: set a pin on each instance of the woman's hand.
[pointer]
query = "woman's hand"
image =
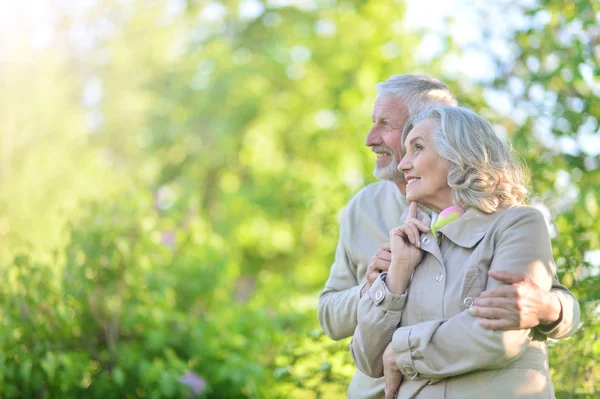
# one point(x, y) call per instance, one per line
point(391, 373)
point(405, 243)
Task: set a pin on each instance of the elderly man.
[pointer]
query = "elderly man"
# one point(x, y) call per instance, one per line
point(363, 252)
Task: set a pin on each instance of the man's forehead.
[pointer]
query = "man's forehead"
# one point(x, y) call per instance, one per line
point(389, 106)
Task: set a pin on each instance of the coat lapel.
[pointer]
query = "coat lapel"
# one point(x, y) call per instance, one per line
point(471, 227)
point(428, 241)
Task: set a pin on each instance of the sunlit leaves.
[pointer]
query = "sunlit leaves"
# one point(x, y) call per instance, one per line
point(182, 215)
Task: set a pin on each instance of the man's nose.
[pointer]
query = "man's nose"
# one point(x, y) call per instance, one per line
point(373, 138)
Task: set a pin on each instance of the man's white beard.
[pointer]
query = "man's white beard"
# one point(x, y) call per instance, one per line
point(389, 172)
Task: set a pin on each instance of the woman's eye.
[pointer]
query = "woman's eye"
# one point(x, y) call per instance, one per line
point(386, 123)
point(418, 147)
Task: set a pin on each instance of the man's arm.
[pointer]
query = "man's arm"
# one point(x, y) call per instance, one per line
point(569, 314)
point(523, 304)
point(335, 297)
point(339, 299)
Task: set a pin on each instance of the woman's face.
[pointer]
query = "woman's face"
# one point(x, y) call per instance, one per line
point(426, 173)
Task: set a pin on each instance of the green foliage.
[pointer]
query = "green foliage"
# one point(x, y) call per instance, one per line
point(558, 67)
point(129, 310)
point(183, 216)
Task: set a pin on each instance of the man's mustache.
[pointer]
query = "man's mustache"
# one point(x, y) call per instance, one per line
point(383, 148)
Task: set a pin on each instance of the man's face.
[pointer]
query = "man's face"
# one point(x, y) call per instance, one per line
point(390, 114)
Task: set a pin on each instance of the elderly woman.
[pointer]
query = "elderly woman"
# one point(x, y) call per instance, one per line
point(415, 323)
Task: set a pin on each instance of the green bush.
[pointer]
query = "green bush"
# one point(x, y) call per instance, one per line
point(174, 228)
point(128, 309)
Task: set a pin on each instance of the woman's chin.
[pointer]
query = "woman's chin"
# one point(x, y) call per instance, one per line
point(410, 197)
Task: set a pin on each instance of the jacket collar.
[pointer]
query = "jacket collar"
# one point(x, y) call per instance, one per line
point(471, 227)
point(423, 214)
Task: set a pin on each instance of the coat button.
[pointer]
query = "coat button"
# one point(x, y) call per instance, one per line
point(479, 231)
point(378, 295)
point(426, 240)
point(439, 277)
point(408, 370)
point(468, 301)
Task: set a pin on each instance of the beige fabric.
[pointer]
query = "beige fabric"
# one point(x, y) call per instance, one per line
point(440, 348)
point(570, 316)
point(365, 225)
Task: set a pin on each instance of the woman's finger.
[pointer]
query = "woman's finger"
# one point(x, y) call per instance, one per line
point(408, 233)
point(397, 232)
point(412, 210)
point(415, 235)
point(419, 224)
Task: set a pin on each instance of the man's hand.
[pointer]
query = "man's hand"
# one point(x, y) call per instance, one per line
point(521, 304)
point(378, 264)
point(391, 373)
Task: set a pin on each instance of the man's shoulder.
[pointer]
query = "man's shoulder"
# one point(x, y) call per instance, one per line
point(378, 201)
point(381, 191)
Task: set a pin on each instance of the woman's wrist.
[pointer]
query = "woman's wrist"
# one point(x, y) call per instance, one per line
point(401, 264)
point(398, 277)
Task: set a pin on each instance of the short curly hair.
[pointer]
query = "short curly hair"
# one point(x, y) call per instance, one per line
point(483, 172)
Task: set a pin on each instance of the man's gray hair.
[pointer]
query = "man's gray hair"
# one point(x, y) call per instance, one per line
point(417, 91)
point(483, 172)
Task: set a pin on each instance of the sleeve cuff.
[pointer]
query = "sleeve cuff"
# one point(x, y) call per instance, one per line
point(564, 326)
point(383, 298)
point(360, 289)
point(547, 329)
point(402, 350)
point(410, 342)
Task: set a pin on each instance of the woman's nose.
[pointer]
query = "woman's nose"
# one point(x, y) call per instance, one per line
point(404, 164)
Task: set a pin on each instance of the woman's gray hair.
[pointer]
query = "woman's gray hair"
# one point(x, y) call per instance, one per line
point(417, 91)
point(483, 172)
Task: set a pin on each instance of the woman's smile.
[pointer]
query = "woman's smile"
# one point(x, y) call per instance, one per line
point(426, 173)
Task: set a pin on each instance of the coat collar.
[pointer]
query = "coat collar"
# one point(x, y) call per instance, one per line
point(471, 227)
point(423, 214)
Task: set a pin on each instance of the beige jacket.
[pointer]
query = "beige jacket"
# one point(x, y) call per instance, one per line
point(440, 348)
point(365, 225)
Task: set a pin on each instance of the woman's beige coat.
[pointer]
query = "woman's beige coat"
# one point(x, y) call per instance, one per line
point(440, 348)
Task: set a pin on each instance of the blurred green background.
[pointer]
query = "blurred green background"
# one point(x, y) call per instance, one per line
point(172, 174)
